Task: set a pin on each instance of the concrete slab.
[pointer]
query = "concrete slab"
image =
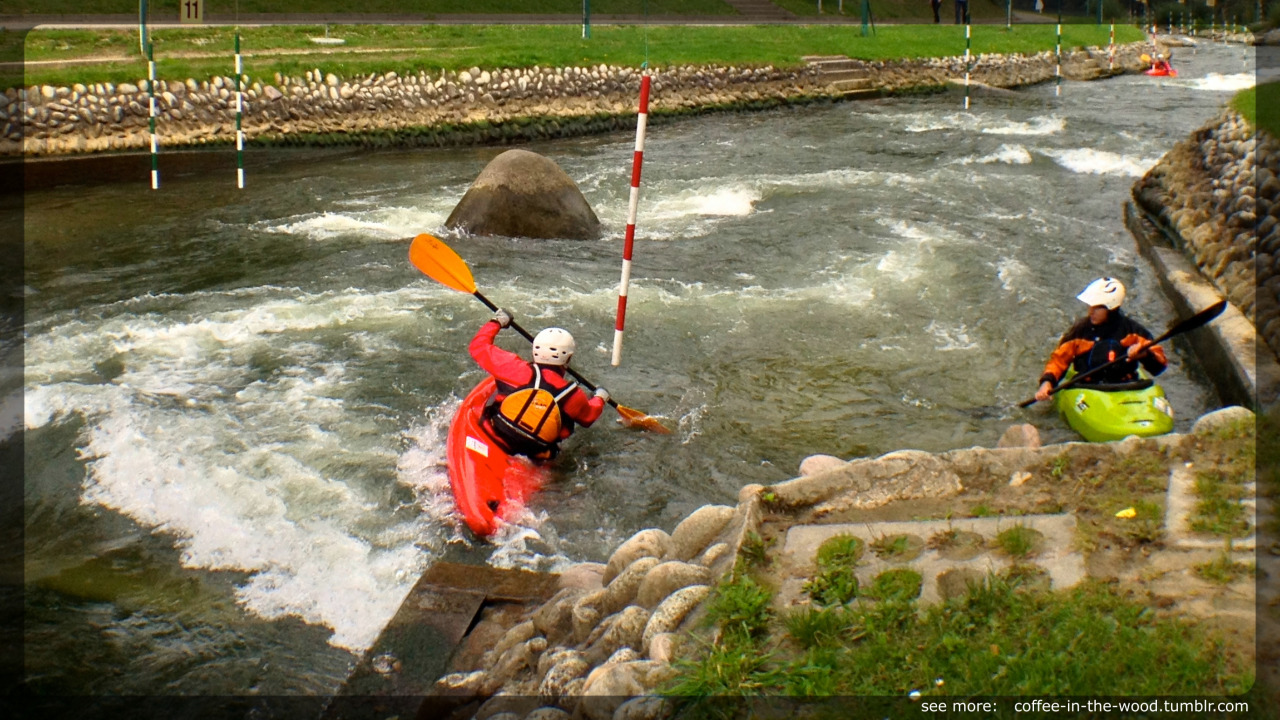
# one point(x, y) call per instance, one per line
point(1057, 557)
point(1180, 505)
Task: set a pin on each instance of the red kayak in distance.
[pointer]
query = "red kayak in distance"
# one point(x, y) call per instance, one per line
point(1161, 73)
point(488, 484)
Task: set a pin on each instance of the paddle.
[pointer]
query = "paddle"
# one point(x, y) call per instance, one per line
point(440, 263)
point(1201, 318)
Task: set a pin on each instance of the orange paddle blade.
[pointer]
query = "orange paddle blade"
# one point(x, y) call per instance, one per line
point(636, 419)
point(440, 263)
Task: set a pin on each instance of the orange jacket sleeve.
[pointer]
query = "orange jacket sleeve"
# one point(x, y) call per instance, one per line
point(1061, 359)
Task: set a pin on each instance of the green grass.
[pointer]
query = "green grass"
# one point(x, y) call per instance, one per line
point(895, 584)
point(755, 549)
point(817, 627)
point(1019, 542)
point(834, 582)
point(890, 545)
point(740, 605)
point(168, 9)
point(454, 47)
point(1223, 570)
point(1001, 639)
point(1218, 510)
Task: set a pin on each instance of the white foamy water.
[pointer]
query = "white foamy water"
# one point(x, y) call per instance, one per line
point(724, 202)
point(1012, 274)
point(1217, 82)
point(951, 337)
point(1007, 154)
point(1100, 162)
point(384, 223)
point(983, 123)
point(246, 471)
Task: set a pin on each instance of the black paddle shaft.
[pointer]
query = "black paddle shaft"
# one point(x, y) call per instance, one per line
point(1201, 318)
point(516, 326)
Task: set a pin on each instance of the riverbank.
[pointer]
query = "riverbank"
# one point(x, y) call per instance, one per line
point(607, 643)
point(474, 106)
point(595, 648)
point(1215, 198)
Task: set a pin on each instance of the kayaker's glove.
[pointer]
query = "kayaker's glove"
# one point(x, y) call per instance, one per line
point(502, 317)
point(602, 394)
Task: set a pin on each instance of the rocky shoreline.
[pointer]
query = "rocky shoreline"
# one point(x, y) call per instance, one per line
point(606, 642)
point(475, 106)
point(1216, 195)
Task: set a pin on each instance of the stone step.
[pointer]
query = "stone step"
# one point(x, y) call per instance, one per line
point(854, 84)
point(836, 66)
point(844, 76)
point(414, 648)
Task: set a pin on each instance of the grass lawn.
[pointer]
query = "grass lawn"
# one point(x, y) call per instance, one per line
point(168, 9)
point(206, 51)
point(1260, 106)
point(1003, 638)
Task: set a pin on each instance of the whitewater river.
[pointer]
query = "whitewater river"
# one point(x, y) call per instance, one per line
point(236, 401)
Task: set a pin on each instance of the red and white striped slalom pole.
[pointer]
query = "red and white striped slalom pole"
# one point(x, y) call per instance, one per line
point(1111, 50)
point(642, 120)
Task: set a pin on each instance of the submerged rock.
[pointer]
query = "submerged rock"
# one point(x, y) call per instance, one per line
point(523, 194)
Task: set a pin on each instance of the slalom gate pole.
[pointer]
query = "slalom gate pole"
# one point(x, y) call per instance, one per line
point(1057, 67)
point(642, 121)
point(151, 120)
point(968, 64)
point(239, 118)
point(1111, 50)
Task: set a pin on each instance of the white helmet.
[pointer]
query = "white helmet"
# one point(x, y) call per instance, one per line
point(1106, 291)
point(553, 346)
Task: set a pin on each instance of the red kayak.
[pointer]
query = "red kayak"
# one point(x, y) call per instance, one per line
point(1161, 73)
point(488, 484)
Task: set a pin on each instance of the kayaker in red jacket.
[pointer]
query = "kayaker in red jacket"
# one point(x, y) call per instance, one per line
point(532, 412)
point(1100, 337)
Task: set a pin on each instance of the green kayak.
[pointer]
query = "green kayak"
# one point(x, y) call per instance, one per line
point(1102, 413)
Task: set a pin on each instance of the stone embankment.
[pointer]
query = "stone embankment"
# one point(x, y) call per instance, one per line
point(603, 646)
point(1217, 196)
point(456, 108)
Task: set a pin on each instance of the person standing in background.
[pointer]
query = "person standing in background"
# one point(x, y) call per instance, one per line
point(962, 11)
point(937, 8)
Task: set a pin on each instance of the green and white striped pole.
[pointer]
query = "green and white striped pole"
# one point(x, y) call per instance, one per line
point(151, 122)
point(968, 65)
point(1057, 67)
point(239, 118)
point(142, 26)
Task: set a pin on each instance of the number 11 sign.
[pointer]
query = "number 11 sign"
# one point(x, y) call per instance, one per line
point(191, 11)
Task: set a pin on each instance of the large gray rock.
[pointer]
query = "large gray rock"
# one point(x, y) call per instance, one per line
point(523, 194)
point(693, 534)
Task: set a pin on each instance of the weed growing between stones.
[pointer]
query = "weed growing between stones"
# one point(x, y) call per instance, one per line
point(755, 549)
point(834, 583)
point(1026, 576)
point(896, 584)
point(1223, 570)
point(897, 548)
point(1218, 511)
point(740, 606)
point(1019, 542)
point(817, 627)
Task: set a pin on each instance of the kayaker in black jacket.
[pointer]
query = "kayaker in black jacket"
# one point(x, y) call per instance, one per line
point(1100, 337)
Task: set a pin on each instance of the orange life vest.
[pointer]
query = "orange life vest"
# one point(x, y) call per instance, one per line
point(532, 412)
